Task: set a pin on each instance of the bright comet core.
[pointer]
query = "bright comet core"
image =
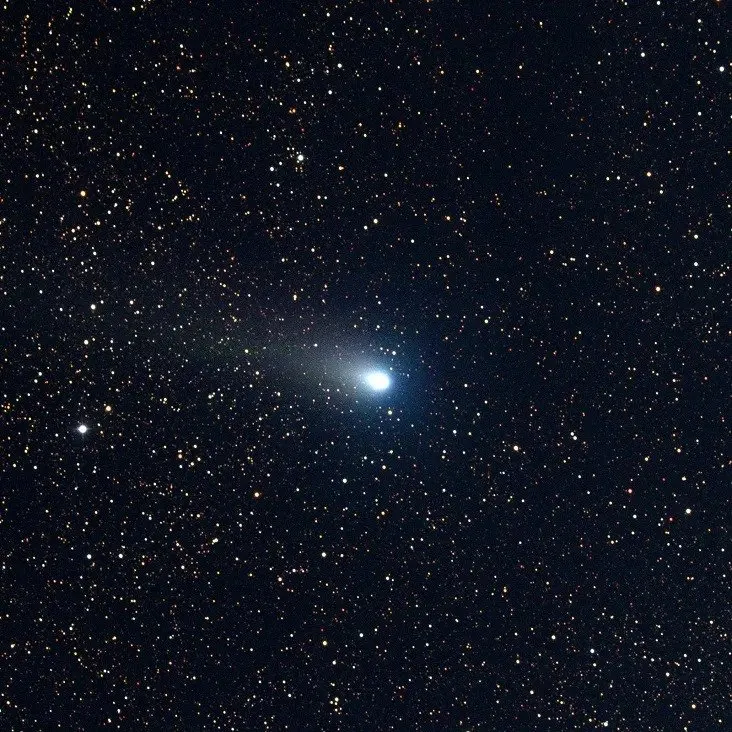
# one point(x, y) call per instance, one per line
point(378, 380)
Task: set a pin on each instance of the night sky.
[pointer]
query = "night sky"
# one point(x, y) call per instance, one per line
point(365, 365)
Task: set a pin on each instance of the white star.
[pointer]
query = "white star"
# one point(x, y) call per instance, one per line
point(83, 429)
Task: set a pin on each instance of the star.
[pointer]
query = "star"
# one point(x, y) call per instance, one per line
point(378, 380)
point(82, 428)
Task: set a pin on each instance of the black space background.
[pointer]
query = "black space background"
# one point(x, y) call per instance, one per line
point(528, 530)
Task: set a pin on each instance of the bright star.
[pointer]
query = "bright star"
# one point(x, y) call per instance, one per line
point(378, 380)
point(82, 428)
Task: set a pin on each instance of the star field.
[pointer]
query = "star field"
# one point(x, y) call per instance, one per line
point(365, 366)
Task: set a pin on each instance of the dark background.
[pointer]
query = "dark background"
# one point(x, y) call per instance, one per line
point(529, 530)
